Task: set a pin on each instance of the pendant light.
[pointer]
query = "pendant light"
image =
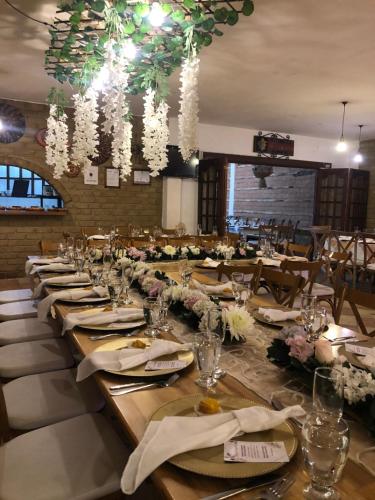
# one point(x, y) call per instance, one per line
point(358, 158)
point(341, 145)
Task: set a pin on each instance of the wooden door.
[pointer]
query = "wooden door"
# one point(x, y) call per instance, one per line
point(357, 200)
point(212, 194)
point(331, 190)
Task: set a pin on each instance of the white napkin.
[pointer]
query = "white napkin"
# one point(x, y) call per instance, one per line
point(97, 237)
point(175, 435)
point(70, 278)
point(44, 306)
point(223, 287)
point(93, 317)
point(40, 261)
point(268, 262)
point(126, 358)
point(210, 262)
point(52, 267)
point(278, 314)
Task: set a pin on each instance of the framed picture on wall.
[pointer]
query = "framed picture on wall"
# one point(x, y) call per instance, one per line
point(112, 177)
point(141, 177)
point(91, 176)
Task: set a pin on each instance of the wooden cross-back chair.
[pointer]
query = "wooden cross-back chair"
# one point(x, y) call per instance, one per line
point(355, 298)
point(308, 270)
point(48, 247)
point(283, 233)
point(293, 249)
point(319, 235)
point(283, 287)
point(336, 264)
point(182, 242)
point(252, 273)
point(267, 231)
point(349, 245)
point(366, 245)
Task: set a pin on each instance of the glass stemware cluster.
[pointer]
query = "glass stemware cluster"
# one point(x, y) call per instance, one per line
point(241, 288)
point(314, 318)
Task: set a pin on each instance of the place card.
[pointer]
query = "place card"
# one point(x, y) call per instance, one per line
point(361, 350)
point(241, 451)
point(176, 364)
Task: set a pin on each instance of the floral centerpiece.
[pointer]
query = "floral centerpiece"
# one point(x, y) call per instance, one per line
point(292, 351)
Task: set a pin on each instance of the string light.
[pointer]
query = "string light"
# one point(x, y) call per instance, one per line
point(341, 145)
point(156, 15)
point(129, 50)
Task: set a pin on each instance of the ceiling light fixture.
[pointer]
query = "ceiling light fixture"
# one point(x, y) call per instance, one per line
point(341, 146)
point(358, 158)
point(156, 15)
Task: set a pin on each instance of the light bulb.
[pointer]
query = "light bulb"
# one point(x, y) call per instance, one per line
point(101, 79)
point(194, 162)
point(341, 146)
point(156, 15)
point(1, 125)
point(129, 50)
point(358, 158)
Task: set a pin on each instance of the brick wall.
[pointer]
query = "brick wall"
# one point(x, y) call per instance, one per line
point(368, 152)
point(289, 195)
point(86, 205)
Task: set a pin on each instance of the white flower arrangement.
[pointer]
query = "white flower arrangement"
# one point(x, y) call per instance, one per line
point(57, 155)
point(85, 136)
point(194, 250)
point(225, 249)
point(357, 384)
point(189, 107)
point(155, 133)
point(238, 320)
point(169, 250)
point(184, 251)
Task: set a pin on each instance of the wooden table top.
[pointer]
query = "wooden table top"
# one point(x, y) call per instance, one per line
point(135, 410)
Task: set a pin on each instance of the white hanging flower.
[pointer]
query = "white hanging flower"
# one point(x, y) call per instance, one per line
point(85, 136)
point(57, 142)
point(155, 133)
point(189, 108)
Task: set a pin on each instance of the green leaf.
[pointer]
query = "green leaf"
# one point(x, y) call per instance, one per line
point(120, 6)
point(98, 5)
point(137, 19)
point(138, 37)
point(221, 14)
point(167, 8)
point(208, 24)
point(145, 27)
point(178, 16)
point(142, 9)
point(129, 28)
point(218, 32)
point(79, 6)
point(232, 18)
point(247, 7)
point(189, 4)
point(75, 18)
point(207, 39)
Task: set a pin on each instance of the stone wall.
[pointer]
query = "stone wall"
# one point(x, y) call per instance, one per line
point(289, 195)
point(87, 205)
point(368, 152)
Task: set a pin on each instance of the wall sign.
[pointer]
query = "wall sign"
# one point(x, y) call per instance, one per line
point(273, 145)
point(141, 177)
point(112, 177)
point(90, 176)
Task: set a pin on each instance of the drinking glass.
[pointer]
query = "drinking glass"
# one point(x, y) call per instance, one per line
point(151, 310)
point(185, 271)
point(61, 250)
point(127, 280)
point(79, 262)
point(308, 314)
point(328, 394)
point(107, 260)
point(96, 273)
point(70, 243)
point(308, 300)
point(205, 349)
point(237, 286)
point(325, 451)
point(79, 244)
point(114, 289)
point(165, 300)
point(216, 327)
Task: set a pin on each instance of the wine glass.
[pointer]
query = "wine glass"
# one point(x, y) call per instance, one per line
point(79, 262)
point(165, 300)
point(325, 450)
point(205, 350)
point(127, 280)
point(151, 310)
point(308, 314)
point(79, 244)
point(328, 394)
point(237, 286)
point(96, 273)
point(114, 289)
point(215, 326)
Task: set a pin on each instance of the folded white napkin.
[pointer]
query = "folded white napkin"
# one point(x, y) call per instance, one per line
point(126, 358)
point(223, 287)
point(278, 314)
point(175, 435)
point(67, 278)
point(40, 261)
point(269, 262)
point(208, 262)
point(122, 314)
point(97, 237)
point(44, 306)
point(52, 268)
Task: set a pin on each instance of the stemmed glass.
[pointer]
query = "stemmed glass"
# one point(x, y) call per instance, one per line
point(127, 280)
point(328, 394)
point(205, 349)
point(308, 314)
point(325, 450)
point(96, 273)
point(79, 262)
point(79, 244)
point(151, 310)
point(216, 326)
point(165, 301)
point(237, 287)
point(185, 271)
point(114, 289)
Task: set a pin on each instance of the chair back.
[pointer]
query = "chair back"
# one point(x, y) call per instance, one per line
point(367, 245)
point(283, 287)
point(319, 235)
point(355, 298)
point(293, 249)
point(48, 247)
point(308, 270)
point(252, 270)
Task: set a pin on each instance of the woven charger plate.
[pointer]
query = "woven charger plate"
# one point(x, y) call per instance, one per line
point(139, 371)
point(210, 461)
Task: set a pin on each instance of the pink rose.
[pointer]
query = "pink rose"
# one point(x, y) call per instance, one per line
point(323, 352)
point(299, 348)
point(242, 251)
point(190, 301)
point(155, 289)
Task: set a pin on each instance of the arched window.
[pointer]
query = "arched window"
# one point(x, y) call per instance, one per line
point(24, 188)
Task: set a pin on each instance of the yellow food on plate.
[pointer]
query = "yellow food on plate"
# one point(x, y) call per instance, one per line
point(139, 344)
point(209, 406)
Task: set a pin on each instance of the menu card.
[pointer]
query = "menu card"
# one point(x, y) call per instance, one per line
point(165, 365)
point(241, 451)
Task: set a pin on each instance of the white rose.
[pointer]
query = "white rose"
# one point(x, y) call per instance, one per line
point(323, 352)
point(184, 251)
point(169, 250)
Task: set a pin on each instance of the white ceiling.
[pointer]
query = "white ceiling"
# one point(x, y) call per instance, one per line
point(285, 68)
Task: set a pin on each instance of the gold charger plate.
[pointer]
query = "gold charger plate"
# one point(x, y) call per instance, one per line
point(210, 461)
point(354, 359)
point(68, 285)
point(277, 324)
point(121, 326)
point(139, 371)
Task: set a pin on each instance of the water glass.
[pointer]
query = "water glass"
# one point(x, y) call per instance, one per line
point(165, 302)
point(328, 394)
point(308, 300)
point(325, 451)
point(79, 244)
point(114, 290)
point(96, 273)
point(127, 280)
point(205, 350)
point(79, 262)
point(237, 286)
point(151, 310)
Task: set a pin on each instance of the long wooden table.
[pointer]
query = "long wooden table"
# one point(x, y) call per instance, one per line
point(135, 410)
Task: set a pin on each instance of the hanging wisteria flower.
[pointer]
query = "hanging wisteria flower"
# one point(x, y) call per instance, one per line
point(85, 136)
point(189, 107)
point(57, 155)
point(155, 133)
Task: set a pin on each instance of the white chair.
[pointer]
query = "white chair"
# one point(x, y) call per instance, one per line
point(78, 459)
point(18, 310)
point(38, 356)
point(24, 330)
point(15, 295)
point(46, 398)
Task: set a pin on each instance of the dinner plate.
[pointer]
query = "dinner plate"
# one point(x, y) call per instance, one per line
point(68, 285)
point(202, 266)
point(210, 461)
point(115, 326)
point(277, 324)
point(56, 271)
point(85, 300)
point(354, 359)
point(139, 371)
